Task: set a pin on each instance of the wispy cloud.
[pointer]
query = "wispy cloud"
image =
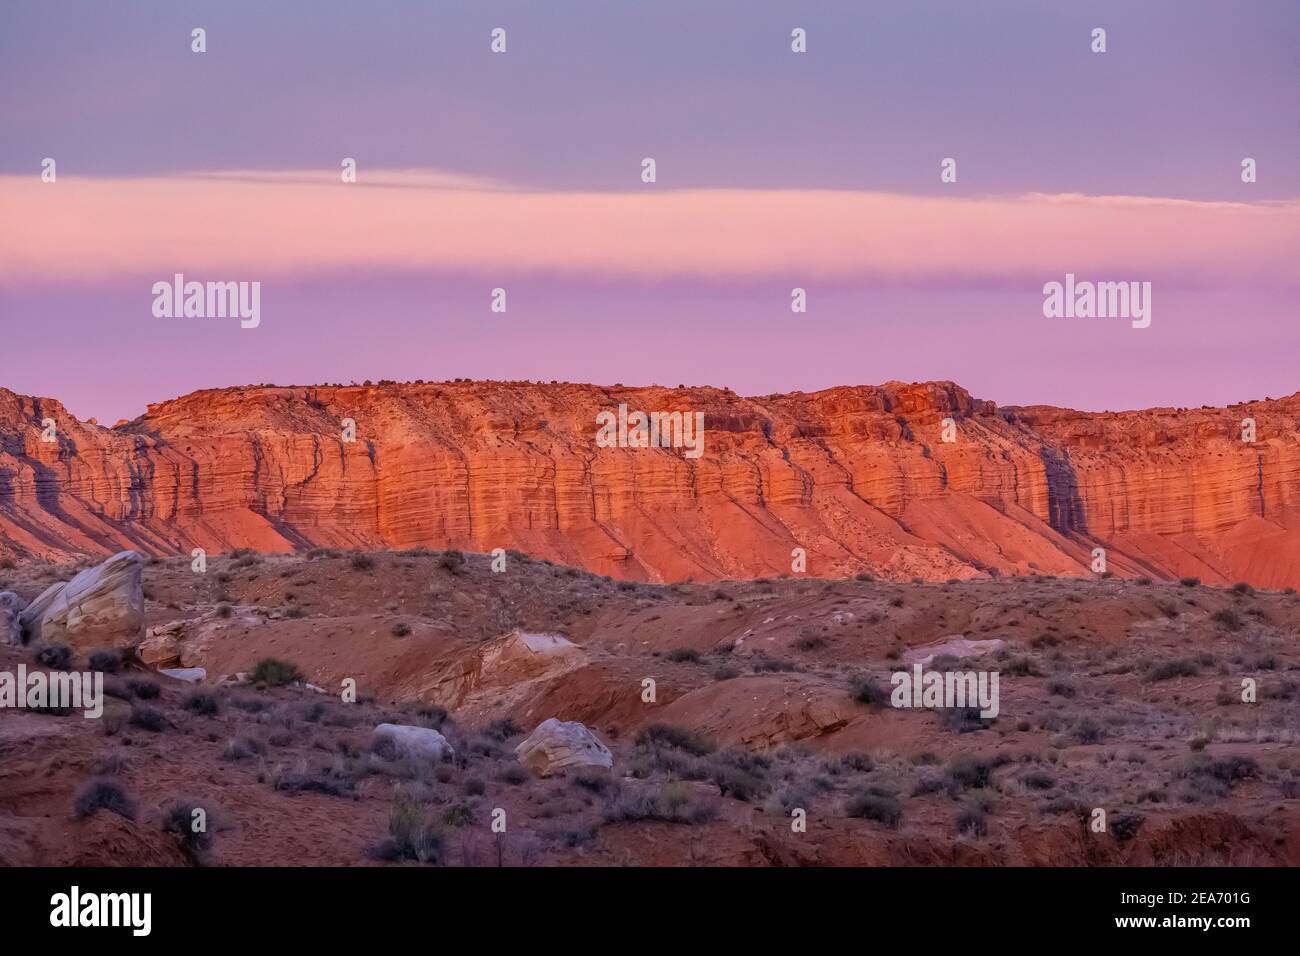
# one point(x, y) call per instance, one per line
point(261, 224)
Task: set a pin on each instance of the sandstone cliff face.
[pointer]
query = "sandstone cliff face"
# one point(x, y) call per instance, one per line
point(858, 476)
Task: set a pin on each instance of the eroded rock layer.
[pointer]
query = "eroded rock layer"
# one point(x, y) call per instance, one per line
point(860, 477)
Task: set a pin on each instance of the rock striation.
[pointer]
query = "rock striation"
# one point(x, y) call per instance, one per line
point(859, 477)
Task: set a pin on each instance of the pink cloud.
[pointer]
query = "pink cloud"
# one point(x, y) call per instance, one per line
point(255, 225)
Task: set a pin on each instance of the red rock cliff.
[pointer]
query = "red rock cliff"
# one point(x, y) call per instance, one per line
point(858, 476)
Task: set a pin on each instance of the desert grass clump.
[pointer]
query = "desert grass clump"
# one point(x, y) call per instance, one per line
point(1088, 731)
point(401, 629)
point(459, 814)
point(864, 690)
point(1229, 770)
point(313, 712)
point(1061, 688)
point(875, 804)
point(144, 688)
point(1228, 619)
point(110, 765)
point(1281, 690)
point(671, 803)
point(810, 641)
point(683, 655)
point(188, 822)
point(363, 562)
point(481, 745)
point(105, 659)
point(1124, 826)
point(963, 720)
point(675, 751)
point(1018, 667)
point(789, 798)
point(432, 715)
point(855, 763)
point(242, 748)
point(1038, 780)
point(675, 738)
point(965, 772)
point(1190, 582)
point(453, 561)
point(502, 729)
point(412, 833)
point(56, 657)
point(103, 795)
point(1168, 670)
point(300, 779)
point(973, 822)
point(272, 672)
point(592, 781)
point(148, 718)
point(740, 774)
point(251, 704)
point(514, 775)
point(203, 703)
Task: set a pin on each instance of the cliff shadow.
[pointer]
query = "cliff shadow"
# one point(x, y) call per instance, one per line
point(1065, 511)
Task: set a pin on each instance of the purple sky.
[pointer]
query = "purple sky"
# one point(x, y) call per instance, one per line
point(712, 91)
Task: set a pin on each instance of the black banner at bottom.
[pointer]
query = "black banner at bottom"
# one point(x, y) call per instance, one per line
point(331, 905)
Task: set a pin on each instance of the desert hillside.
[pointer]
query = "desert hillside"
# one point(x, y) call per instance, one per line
point(859, 477)
point(770, 697)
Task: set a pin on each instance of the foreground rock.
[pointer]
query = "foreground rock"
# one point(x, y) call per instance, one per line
point(190, 675)
point(562, 745)
point(10, 628)
point(956, 646)
point(508, 662)
point(421, 743)
point(102, 606)
point(161, 647)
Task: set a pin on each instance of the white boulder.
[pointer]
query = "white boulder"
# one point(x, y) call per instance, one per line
point(418, 742)
point(191, 675)
point(11, 605)
point(103, 605)
point(955, 646)
point(561, 745)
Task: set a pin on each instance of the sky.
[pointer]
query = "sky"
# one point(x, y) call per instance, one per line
point(522, 170)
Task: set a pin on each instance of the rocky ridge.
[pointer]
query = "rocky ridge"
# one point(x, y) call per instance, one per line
point(859, 477)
